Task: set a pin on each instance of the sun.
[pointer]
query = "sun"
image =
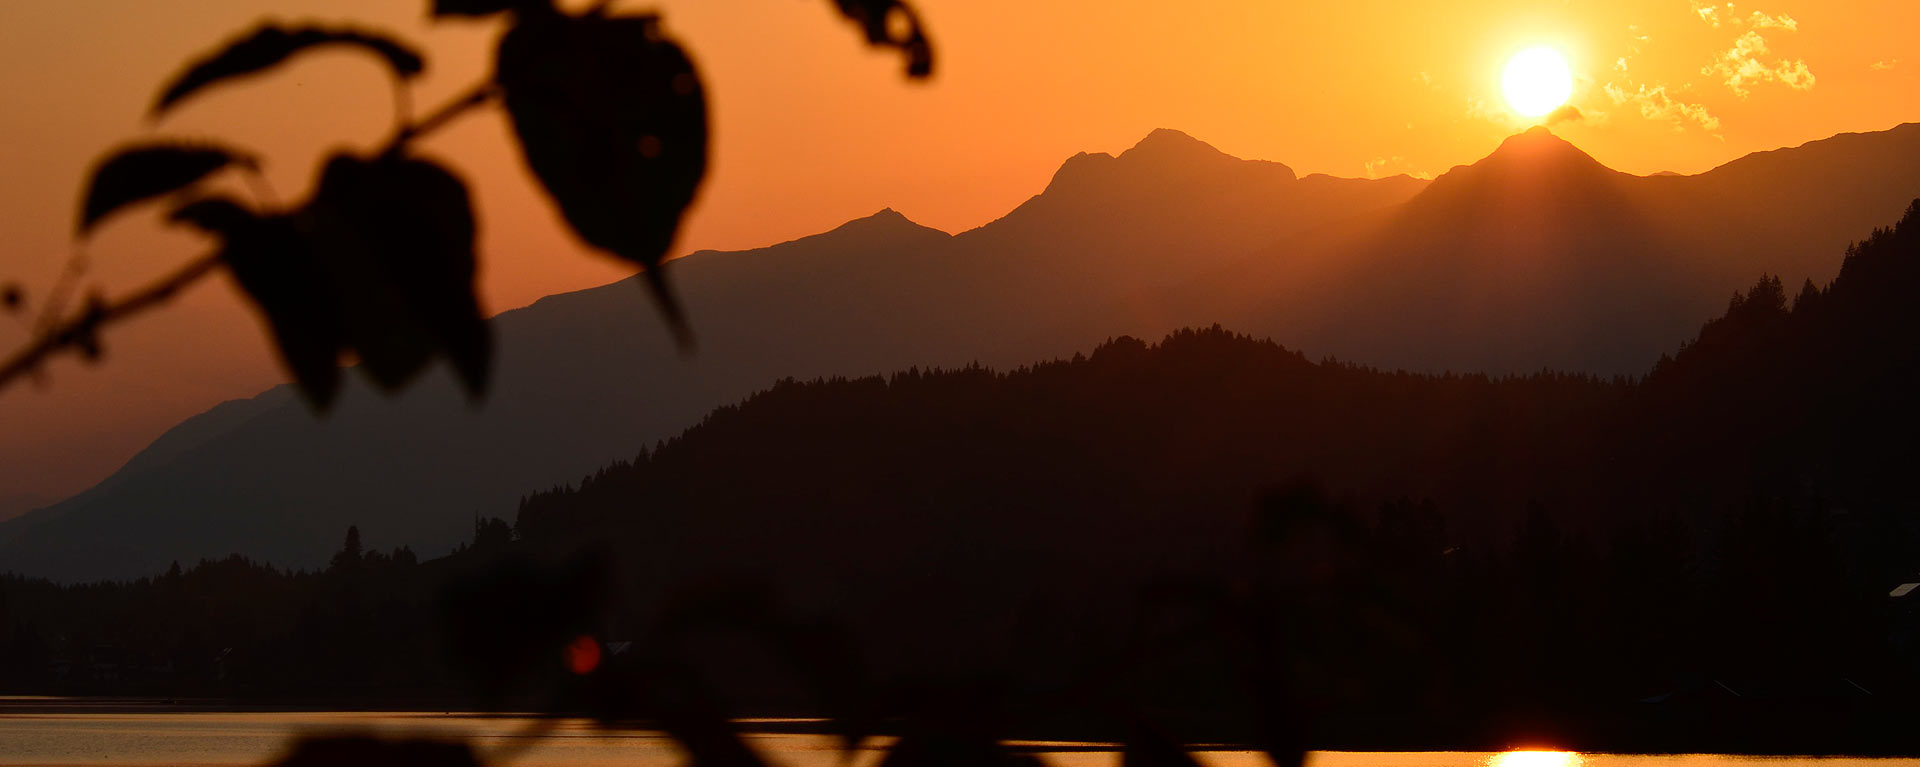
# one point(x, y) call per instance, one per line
point(1537, 81)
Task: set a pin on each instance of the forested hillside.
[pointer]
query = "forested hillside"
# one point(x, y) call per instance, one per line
point(1461, 557)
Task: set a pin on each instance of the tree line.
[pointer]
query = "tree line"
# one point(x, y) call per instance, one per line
point(1210, 538)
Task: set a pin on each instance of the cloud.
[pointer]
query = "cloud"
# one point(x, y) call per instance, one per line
point(1477, 108)
point(1717, 15)
point(1655, 103)
point(1566, 113)
point(1883, 65)
point(1378, 167)
point(1741, 66)
point(1707, 13)
point(1652, 102)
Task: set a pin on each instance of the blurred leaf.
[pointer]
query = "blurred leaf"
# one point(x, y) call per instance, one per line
point(271, 44)
point(612, 119)
point(275, 267)
point(948, 749)
point(477, 7)
point(380, 262)
point(1147, 746)
point(397, 235)
point(1290, 756)
point(143, 172)
point(892, 23)
point(363, 751)
point(823, 655)
point(685, 709)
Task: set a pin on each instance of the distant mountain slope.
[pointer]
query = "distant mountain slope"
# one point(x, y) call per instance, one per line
point(1739, 512)
point(1538, 256)
point(587, 377)
point(1170, 233)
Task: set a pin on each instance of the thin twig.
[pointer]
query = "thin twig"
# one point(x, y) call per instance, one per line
point(82, 331)
point(63, 287)
point(474, 97)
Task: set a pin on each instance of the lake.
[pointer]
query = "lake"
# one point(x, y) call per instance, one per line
point(117, 736)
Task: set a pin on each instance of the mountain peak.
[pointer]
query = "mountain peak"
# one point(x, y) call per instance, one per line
point(886, 220)
point(1535, 154)
point(1172, 144)
point(1538, 146)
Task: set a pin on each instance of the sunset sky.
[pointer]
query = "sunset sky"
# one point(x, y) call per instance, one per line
point(812, 129)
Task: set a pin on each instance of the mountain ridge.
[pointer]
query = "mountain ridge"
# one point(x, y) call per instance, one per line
point(589, 376)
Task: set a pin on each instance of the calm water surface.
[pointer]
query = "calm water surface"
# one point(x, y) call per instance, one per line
point(228, 739)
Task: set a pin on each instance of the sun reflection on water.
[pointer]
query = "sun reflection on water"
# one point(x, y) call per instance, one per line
point(1535, 759)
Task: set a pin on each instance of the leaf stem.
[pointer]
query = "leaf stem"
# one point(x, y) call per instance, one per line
point(438, 118)
point(81, 331)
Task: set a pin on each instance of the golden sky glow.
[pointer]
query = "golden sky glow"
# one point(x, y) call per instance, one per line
point(813, 129)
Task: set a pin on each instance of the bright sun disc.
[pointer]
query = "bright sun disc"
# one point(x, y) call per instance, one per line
point(1536, 81)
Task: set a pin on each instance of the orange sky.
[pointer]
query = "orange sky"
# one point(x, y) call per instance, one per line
point(813, 129)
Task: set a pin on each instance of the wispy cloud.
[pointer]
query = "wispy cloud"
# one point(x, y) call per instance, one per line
point(1707, 12)
point(1746, 63)
point(1743, 66)
point(1883, 65)
point(1566, 113)
point(1381, 167)
point(1655, 103)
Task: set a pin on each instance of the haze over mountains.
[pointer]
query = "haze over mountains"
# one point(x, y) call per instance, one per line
point(1536, 256)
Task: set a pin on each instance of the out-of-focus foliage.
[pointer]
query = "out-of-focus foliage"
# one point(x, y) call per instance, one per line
point(272, 44)
point(612, 118)
point(143, 172)
point(377, 267)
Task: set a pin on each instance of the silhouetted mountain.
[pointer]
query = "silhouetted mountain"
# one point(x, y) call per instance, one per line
point(1539, 257)
point(1535, 256)
point(942, 512)
point(1696, 561)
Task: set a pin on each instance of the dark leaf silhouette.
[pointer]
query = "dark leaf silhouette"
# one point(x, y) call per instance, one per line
point(688, 712)
point(140, 173)
point(396, 234)
point(893, 23)
point(367, 751)
point(943, 749)
point(612, 118)
point(275, 267)
point(12, 297)
point(271, 44)
point(821, 653)
point(380, 263)
point(478, 7)
point(1147, 746)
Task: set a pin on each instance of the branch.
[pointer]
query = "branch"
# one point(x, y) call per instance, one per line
point(82, 332)
point(474, 97)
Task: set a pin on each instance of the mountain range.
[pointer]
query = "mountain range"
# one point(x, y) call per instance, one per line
point(1535, 257)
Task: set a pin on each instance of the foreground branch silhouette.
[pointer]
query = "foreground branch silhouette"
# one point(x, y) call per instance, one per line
point(377, 266)
point(81, 332)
